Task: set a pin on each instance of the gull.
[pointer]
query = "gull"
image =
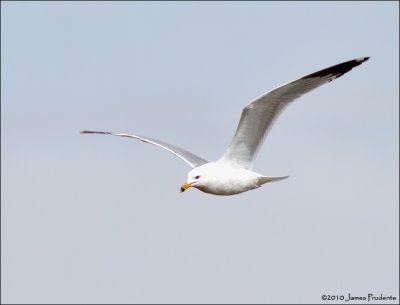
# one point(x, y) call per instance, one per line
point(232, 173)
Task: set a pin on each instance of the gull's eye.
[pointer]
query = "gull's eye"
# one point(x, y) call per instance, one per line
point(197, 177)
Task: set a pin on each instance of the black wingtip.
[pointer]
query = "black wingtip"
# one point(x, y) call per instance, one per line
point(362, 59)
point(338, 70)
point(98, 132)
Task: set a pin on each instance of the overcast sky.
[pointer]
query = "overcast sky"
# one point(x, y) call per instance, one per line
point(97, 219)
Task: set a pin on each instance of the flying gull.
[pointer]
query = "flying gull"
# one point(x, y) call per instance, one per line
point(232, 173)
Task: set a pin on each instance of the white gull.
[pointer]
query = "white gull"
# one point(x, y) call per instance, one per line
point(232, 173)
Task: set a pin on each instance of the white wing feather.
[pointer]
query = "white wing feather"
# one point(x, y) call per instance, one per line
point(190, 158)
point(259, 115)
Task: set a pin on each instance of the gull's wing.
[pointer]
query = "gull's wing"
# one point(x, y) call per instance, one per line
point(258, 116)
point(187, 156)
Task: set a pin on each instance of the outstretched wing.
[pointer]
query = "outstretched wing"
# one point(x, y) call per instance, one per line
point(258, 116)
point(187, 156)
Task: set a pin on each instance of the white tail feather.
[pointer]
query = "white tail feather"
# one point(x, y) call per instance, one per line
point(271, 179)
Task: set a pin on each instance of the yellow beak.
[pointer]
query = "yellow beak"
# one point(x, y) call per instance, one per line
point(185, 186)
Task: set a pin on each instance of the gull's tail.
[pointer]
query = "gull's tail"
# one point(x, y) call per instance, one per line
point(271, 179)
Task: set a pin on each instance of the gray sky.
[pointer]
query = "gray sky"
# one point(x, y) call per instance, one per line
point(99, 219)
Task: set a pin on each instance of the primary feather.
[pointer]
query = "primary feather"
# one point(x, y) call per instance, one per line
point(260, 114)
point(190, 158)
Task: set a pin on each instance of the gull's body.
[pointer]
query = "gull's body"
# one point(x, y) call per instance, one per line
point(224, 179)
point(232, 173)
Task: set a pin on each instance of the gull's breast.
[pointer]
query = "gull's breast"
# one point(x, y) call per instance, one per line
point(233, 184)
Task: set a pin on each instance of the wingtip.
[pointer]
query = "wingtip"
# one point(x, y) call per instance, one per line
point(87, 131)
point(338, 70)
point(98, 132)
point(362, 59)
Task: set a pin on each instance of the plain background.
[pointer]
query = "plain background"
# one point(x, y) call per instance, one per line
point(97, 219)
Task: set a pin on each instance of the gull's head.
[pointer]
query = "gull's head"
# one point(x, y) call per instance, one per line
point(192, 181)
point(195, 179)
